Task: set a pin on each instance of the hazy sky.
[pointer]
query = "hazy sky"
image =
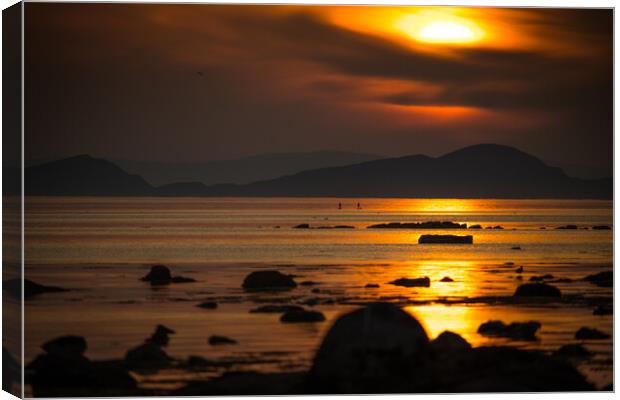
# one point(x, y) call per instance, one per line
point(202, 82)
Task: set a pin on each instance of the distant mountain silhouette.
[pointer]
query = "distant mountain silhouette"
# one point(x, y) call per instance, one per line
point(243, 170)
point(480, 171)
point(83, 176)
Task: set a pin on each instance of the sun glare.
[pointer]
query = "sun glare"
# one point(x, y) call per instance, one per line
point(446, 32)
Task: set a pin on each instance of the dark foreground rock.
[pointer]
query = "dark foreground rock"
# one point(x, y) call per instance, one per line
point(151, 355)
point(601, 279)
point(420, 225)
point(601, 228)
point(382, 349)
point(160, 275)
point(415, 282)
point(31, 288)
point(537, 290)
point(64, 371)
point(297, 316)
point(448, 342)
point(268, 280)
point(446, 279)
point(514, 331)
point(372, 286)
point(446, 239)
point(585, 333)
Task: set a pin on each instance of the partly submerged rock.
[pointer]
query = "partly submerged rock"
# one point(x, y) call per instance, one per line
point(516, 248)
point(420, 225)
point(602, 279)
point(573, 351)
point(268, 280)
point(601, 228)
point(475, 226)
point(31, 288)
point(150, 354)
point(308, 283)
point(302, 315)
point(415, 282)
point(372, 286)
point(540, 278)
point(446, 239)
point(515, 330)
point(519, 270)
point(585, 333)
point(603, 309)
point(567, 227)
point(160, 275)
point(446, 279)
point(449, 341)
point(373, 343)
point(302, 226)
point(209, 305)
point(537, 290)
point(216, 340)
point(276, 309)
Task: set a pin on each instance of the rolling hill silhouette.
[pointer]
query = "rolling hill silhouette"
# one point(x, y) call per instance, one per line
point(480, 171)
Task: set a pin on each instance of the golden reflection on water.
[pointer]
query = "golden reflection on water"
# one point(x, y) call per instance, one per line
point(456, 206)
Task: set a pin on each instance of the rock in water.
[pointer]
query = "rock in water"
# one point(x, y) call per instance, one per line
point(446, 239)
point(302, 316)
point(449, 341)
point(601, 228)
point(150, 354)
point(514, 331)
point(537, 290)
point(64, 371)
point(268, 280)
point(573, 351)
point(276, 309)
point(585, 333)
point(407, 282)
point(158, 275)
point(601, 279)
point(302, 226)
point(368, 345)
point(371, 286)
point(14, 288)
point(66, 346)
point(446, 279)
point(209, 305)
point(216, 340)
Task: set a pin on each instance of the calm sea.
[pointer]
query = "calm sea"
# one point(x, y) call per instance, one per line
point(100, 247)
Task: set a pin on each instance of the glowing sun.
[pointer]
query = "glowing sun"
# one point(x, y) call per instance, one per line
point(446, 32)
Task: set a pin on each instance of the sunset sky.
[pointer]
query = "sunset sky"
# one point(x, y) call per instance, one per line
point(203, 82)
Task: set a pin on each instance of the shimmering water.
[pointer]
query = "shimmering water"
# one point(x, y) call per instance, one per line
point(100, 247)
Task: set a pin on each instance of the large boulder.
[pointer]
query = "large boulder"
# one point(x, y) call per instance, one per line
point(537, 290)
point(64, 371)
point(449, 342)
point(366, 346)
point(268, 280)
